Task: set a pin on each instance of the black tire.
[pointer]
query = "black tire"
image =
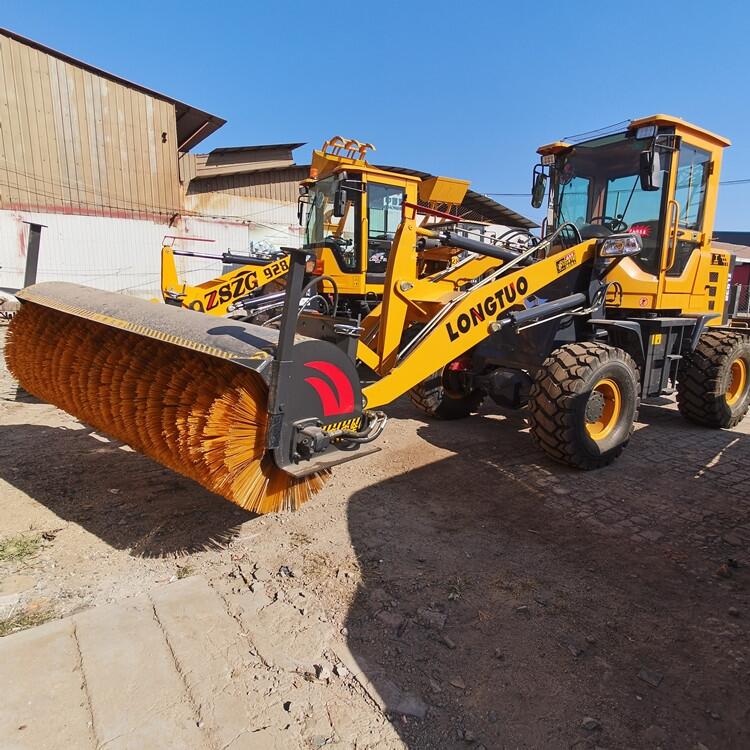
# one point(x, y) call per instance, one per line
point(432, 397)
point(564, 407)
point(706, 375)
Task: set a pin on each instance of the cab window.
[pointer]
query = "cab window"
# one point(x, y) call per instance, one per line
point(574, 199)
point(693, 168)
point(643, 208)
point(599, 184)
point(625, 198)
point(383, 217)
point(345, 231)
point(690, 192)
point(341, 232)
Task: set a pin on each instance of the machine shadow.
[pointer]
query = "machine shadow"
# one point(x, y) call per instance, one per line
point(696, 445)
point(122, 497)
point(504, 597)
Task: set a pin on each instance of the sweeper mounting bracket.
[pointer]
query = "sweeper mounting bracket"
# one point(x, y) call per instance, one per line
point(316, 411)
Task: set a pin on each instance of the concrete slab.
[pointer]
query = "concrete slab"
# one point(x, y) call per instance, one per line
point(212, 656)
point(173, 669)
point(44, 705)
point(138, 698)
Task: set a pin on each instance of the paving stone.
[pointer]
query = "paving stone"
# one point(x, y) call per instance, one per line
point(209, 650)
point(44, 705)
point(138, 698)
point(733, 539)
point(651, 677)
point(652, 535)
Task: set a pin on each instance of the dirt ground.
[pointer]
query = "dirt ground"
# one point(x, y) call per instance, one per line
point(508, 602)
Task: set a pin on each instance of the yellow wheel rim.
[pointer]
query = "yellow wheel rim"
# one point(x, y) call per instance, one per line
point(603, 409)
point(737, 382)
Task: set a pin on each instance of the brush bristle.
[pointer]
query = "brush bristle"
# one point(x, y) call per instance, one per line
point(198, 415)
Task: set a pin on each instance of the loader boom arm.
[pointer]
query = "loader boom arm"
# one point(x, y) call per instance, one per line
point(464, 321)
point(220, 295)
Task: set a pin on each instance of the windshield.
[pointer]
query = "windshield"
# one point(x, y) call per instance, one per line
point(598, 183)
point(323, 226)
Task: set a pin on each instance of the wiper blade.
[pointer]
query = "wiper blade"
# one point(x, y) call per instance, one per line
point(630, 198)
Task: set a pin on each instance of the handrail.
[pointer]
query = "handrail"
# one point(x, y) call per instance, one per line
point(673, 209)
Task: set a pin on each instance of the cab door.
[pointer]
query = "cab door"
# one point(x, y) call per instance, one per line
point(685, 280)
point(383, 210)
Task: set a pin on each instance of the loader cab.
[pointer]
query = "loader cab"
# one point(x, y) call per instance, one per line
point(658, 179)
point(352, 219)
point(353, 211)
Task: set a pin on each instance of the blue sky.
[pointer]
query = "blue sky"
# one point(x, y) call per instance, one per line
point(465, 90)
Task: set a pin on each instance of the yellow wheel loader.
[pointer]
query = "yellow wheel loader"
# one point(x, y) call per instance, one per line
point(354, 210)
point(256, 274)
point(623, 299)
point(351, 242)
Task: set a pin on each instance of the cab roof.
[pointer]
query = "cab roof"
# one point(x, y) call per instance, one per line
point(680, 124)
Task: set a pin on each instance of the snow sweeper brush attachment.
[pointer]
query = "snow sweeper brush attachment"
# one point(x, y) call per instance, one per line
point(192, 392)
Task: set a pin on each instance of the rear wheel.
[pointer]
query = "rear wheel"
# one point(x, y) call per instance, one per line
point(583, 404)
point(444, 395)
point(713, 388)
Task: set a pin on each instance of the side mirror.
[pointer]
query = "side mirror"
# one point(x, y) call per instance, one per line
point(538, 188)
point(650, 171)
point(339, 202)
point(300, 209)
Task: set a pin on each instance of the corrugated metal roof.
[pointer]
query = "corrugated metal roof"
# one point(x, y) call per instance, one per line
point(276, 184)
point(193, 125)
point(734, 238)
point(478, 207)
point(488, 209)
point(262, 147)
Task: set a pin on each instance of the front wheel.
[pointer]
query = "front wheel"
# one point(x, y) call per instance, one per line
point(583, 404)
point(713, 387)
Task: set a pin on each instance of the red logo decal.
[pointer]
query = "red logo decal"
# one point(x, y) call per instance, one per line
point(336, 400)
point(641, 229)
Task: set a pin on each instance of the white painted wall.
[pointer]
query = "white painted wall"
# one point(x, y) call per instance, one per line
point(123, 255)
point(114, 254)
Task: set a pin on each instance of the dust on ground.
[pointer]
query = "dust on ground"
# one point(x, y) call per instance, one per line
point(493, 598)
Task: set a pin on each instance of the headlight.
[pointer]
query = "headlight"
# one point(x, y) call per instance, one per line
point(620, 245)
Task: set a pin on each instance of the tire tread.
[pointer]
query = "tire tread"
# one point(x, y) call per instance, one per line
point(698, 386)
point(551, 400)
